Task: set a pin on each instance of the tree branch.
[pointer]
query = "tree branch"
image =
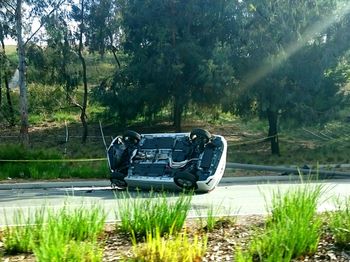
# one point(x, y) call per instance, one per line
point(11, 6)
point(42, 23)
point(76, 104)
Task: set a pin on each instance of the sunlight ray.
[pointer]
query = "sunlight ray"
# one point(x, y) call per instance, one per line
point(316, 29)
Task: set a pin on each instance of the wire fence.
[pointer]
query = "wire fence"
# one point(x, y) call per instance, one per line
point(64, 137)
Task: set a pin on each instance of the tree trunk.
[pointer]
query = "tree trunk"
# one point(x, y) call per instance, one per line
point(1, 68)
point(178, 110)
point(83, 64)
point(273, 132)
point(24, 137)
point(9, 101)
point(7, 86)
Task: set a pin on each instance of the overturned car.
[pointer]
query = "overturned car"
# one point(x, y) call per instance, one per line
point(177, 161)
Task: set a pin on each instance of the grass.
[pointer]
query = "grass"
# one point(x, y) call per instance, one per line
point(178, 248)
point(39, 171)
point(293, 230)
point(298, 147)
point(45, 170)
point(340, 223)
point(80, 224)
point(66, 252)
point(210, 221)
point(22, 238)
point(69, 234)
point(142, 216)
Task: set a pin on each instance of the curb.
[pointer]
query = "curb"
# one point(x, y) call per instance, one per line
point(105, 183)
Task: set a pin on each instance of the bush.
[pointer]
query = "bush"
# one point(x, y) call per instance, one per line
point(45, 99)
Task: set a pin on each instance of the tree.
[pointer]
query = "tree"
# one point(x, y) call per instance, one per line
point(168, 43)
point(14, 12)
point(79, 14)
point(61, 57)
point(273, 39)
point(103, 30)
point(4, 67)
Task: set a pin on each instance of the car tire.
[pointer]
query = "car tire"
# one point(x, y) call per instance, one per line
point(131, 137)
point(185, 180)
point(118, 181)
point(201, 134)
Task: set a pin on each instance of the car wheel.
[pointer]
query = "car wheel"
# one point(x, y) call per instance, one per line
point(185, 180)
point(131, 137)
point(200, 134)
point(117, 180)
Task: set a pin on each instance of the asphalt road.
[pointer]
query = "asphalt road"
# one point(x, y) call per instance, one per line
point(232, 197)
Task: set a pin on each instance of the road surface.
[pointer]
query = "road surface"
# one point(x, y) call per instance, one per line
point(228, 198)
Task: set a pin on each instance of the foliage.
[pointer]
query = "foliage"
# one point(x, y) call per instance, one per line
point(280, 61)
point(282, 65)
point(44, 98)
point(340, 223)
point(293, 229)
point(82, 223)
point(73, 251)
point(65, 231)
point(69, 234)
point(210, 220)
point(167, 44)
point(103, 31)
point(56, 168)
point(22, 237)
point(171, 249)
point(141, 217)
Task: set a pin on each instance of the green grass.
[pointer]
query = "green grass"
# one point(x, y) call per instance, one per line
point(46, 170)
point(293, 230)
point(142, 216)
point(80, 224)
point(176, 248)
point(69, 234)
point(340, 223)
point(37, 171)
point(66, 252)
point(22, 238)
point(210, 221)
point(297, 146)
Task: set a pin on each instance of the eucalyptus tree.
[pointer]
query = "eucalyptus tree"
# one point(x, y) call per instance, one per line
point(79, 15)
point(171, 45)
point(281, 59)
point(5, 31)
point(23, 13)
point(103, 27)
point(60, 53)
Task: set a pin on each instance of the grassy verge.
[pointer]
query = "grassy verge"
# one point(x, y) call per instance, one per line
point(340, 224)
point(293, 230)
point(170, 249)
point(69, 234)
point(22, 238)
point(142, 216)
point(54, 168)
point(210, 221)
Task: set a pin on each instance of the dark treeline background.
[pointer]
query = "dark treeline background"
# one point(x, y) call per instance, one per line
point(280, 60)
